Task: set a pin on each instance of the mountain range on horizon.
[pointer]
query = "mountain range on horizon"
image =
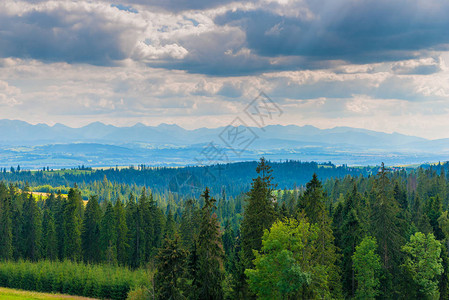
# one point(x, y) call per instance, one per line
point(99, 144)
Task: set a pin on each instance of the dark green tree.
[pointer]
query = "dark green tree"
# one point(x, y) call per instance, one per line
point(90, 235)
point(5, 223)
point(170, 270)
point(121, 232)
point(72, 225)
point(387, 227)
point(210, 253)
point(259, 212)
point(31, 230)
point(108, 235)
point(49, 236)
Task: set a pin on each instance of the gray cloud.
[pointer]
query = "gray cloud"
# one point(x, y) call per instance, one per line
point(355, 31)
point(211, 38)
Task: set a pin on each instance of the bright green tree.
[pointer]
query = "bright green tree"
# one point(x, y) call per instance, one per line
point(424, 264)
point(367, 266)
point(279, 268)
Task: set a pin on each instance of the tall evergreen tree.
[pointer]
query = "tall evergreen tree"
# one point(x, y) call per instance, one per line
point(313, 205)
point(136, 234)
point(90, 236)
point(121, 232)
point(108, 235)
point(352, 232)
point(170, 225)
point(72, 225)
point(5, 223)
point(31, 230)
point(259, 212)
point(210, 253)
point(171, 267)
point(387, 229)
point(49, 236)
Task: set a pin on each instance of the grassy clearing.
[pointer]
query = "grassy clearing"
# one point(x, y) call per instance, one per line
point(11, 294)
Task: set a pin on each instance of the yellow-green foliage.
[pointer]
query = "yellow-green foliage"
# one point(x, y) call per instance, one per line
point(11, 294)
point(72, 278)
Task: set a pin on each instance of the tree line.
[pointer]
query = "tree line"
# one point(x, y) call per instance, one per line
point(383, 236)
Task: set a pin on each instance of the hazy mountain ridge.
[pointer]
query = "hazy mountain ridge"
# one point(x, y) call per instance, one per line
point(98, 144)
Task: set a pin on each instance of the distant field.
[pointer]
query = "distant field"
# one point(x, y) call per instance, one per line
point(11, 294)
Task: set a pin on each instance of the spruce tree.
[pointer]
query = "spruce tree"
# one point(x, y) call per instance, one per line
point(210, 253)
point(72, 225)
point(170, 270)
point(31, 230)
point(170, 225)
point(387, 227)
point(90, 236)
point(136, 234)
point(108, 235)
point(5, 223)
point(121, 232)
point(49, 236)
point(312, 204)
point(259, 212)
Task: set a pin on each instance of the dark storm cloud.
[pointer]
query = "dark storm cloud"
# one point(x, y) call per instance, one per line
point(263, 37)
point(52, 36)
point(355, 31)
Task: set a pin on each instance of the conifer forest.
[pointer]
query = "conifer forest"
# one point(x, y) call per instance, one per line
point(374, 233)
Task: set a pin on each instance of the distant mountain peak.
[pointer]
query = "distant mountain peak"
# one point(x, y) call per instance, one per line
point(139, 125)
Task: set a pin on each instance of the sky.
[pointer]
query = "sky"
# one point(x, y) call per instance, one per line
point(376, 64)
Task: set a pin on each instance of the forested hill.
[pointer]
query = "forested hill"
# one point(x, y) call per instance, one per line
point(233, 178)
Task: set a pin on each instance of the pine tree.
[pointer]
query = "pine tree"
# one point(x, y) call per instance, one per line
point(387, 229)
point(18, 242)
point(136, 234)
point(5, 223)
point(108, 237)
point(121, 232)
point(72, 225)
point(352, 233)
point(190, 221)
point(32, 230)
point(312, 202)
point(259, 212)
point(210, 252)
point(170, 225)
point(313, 205)
point(170, 270)
point(49, 234)
point(90, 236)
